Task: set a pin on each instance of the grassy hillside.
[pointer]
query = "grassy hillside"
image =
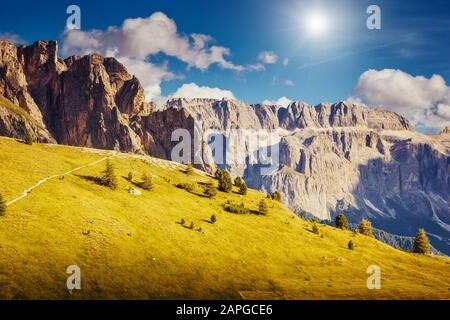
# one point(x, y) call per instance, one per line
point(130, 246)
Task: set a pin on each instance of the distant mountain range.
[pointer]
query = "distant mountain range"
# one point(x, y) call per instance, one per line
point(333, 158)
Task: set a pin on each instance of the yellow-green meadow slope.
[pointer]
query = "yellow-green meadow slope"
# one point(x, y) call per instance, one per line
point(131, 246)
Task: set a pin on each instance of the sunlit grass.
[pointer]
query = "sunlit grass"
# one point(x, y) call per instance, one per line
point(133, 246)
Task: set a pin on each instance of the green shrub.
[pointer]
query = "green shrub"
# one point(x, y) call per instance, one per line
point(186, 186)
point(236, 208)
point(243, 189)
point(2, 206)
point(28, 138)
point(213, 219)
point(109, 178)
point(238, 182)
point(130, 176)
point(365, 228)
point(315, 228)
point(183, 222)
point(225, 182)
point(341, 222)
point(276, 196)
point(192, 225)
point(262, 207)
point(189, 169)
point(421, 243)
point(210, 190)
point(351, 245)
point(146, 183)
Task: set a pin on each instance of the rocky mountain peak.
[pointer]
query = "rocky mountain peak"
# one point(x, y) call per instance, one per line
point(446, 130)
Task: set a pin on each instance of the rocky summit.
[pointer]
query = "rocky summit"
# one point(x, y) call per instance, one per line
point(333, 158)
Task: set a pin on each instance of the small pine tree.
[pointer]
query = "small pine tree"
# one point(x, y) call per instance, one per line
point(213, 219)
point(243, 189)
point(210, 191)
point(218, 174)
point(365, 228)
point(2, 206)
point(351, 245)
point(341, 222)
point(276, 196)
point(28, 138)
point(421, 243)
point(147, 183)
point(238, 182)
point(130, 176)
point(109, 178)
point(189, 169)
point(225, 182)
point(262, 207)
point(315, 228)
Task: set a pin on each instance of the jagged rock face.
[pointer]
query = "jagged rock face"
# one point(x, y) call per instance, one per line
point(82, 101)
point(302, 115)
point(89, 109)
point(16, 123)
point(13, 83)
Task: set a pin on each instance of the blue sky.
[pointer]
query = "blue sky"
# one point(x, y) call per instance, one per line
point(414, 38)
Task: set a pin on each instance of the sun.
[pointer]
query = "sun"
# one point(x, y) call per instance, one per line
point(316, 24)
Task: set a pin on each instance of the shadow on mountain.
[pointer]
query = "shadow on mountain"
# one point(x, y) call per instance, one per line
point(410, 192)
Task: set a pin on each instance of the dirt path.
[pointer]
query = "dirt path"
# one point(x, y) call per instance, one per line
point(29, 190)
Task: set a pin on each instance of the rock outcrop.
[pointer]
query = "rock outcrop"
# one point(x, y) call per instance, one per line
point(81, 101)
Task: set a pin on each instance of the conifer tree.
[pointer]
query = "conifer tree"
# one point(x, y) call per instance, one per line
point(263, 207)
point(210, 190)
point(276, 196)
point(341, 222)
point(243, 189)
point(351, 245)
point(238, 182)
point(2, 206)
point(365, 228)
point(315, 228)
point(147, 183)
point(29, 138)
point(421, 243)
point(109, 178)
point(225, 182)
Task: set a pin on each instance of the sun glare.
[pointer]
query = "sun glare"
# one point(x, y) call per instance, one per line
point(316, 24)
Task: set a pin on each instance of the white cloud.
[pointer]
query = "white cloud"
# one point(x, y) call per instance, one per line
point(283, 102)
point(192, 90)
point(14, 38)
point(424, 101)
point(143, 37)
point(285, 62)
point(256, 67)
point(149, 75)
point(289, 83)
point(138, 39)
point(268, 57)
